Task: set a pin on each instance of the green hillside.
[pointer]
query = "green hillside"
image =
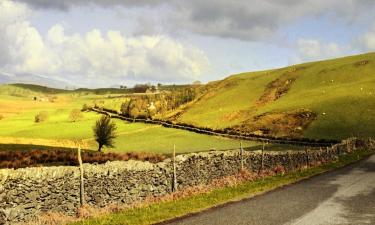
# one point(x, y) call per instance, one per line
point(325, 99)
point(331, 99)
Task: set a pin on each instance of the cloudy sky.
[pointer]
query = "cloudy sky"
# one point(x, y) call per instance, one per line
point(110, 42)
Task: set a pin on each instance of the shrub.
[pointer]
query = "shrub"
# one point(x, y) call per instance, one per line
point(1, 117)
point(85, 108)
point(41, 117)
point(151, 110)
point(279, 169)
point(140, 88)
point(104, 132)
point(125, 108)
point(75, 115)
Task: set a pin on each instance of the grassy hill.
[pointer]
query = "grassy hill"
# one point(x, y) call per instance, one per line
point(331, 99)
point(325, 99)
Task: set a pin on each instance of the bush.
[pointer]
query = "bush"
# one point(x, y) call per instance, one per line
point(75, 115)
point(1, 117)
point(140, 88)
point(125, 108)
point(104, 132)
point(85, 108)
point(41, 117)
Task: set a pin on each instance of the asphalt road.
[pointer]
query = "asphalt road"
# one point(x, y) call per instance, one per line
point(344, 196)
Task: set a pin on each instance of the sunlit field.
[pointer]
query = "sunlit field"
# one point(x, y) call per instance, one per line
point(18, 127)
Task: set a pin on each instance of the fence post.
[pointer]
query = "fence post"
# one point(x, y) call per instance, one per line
point(241, 152)
point(262, 160)
point(174, 187)
point(307, 157)
point(290, 161)
point(82, 191)
point(348, 148)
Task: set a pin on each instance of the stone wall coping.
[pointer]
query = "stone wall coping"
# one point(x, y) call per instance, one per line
point(119, 166)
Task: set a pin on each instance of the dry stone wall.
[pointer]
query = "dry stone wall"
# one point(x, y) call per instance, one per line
point(25, 193)
point(228, 132)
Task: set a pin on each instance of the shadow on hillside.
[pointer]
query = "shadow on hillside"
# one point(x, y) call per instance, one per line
point(28, 147)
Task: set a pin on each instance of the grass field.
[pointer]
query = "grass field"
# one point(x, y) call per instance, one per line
point(18, 126)
point(341, 92)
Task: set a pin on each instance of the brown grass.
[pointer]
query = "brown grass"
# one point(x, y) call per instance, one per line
point(278, 124)
point(279, 87)
point(361, 63)
point(21, 159)
point(52, 218)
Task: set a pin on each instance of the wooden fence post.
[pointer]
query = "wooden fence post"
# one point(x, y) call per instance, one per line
point(262, 160)
point(241, 152)
point(307, 157)
point(174, 187)
point(290, 161)
point(82, 190)
point(348, 148)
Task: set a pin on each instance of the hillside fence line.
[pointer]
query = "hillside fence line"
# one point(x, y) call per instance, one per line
point(223, 133)
point(28, 192)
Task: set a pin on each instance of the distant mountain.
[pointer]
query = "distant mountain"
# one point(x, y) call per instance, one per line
point(10, 88)
point(6, 78)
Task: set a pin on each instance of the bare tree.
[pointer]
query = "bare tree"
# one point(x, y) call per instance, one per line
point(104, 132)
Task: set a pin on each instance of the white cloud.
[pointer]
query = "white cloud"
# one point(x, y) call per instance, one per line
point(239, 19)
point(367, 40)
point(94, 53)
point(312, 49)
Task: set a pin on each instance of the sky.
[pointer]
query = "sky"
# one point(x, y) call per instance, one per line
point(102, 43)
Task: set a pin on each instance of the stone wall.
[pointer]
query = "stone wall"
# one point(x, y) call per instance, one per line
point(25, 193)
point(227, 132)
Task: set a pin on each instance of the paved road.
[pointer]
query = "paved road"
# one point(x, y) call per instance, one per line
point(344, 196)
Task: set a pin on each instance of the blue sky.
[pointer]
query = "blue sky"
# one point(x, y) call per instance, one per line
point(104, 43)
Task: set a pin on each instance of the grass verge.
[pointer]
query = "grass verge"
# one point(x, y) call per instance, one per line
point(158, 212)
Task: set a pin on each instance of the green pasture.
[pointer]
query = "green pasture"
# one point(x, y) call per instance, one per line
point(135, 137)
point(340, 91)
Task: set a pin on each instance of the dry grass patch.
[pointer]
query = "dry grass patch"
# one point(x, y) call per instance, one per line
point(278, 124)
point(279, 87)
point(22, 159)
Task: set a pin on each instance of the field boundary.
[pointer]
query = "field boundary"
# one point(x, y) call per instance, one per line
point(223, 133)
point(34, 191)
